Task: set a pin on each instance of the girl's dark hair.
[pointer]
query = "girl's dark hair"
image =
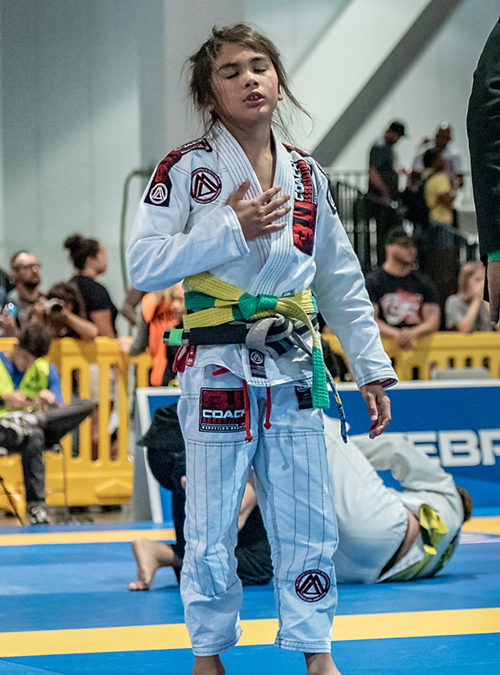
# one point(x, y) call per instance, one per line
point(80, 249)
point(202, 63)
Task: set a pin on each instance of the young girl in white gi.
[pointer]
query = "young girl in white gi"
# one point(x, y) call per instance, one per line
point(248, 222)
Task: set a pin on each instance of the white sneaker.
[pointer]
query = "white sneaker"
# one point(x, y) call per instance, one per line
point(37, 514)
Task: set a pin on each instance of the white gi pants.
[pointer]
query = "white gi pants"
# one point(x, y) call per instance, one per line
point(292, 485)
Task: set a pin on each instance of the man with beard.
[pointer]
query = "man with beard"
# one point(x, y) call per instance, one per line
point(25, 273)
point(405, 302)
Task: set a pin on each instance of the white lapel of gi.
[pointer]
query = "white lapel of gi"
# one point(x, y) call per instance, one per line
point(275, 249)
point(281, 242)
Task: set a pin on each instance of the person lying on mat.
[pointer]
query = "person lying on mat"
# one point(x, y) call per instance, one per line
point(384, 535)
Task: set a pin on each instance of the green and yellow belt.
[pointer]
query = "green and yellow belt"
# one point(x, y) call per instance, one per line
point(213, 302)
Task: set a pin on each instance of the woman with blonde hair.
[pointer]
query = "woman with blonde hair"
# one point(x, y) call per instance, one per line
point(466, 311)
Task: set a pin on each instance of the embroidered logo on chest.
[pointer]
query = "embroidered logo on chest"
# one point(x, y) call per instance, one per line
point(304, 208)
point(205, 186)
point(161, 186)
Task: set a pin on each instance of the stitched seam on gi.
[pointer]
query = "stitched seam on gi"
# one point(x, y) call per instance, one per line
point(309, 511)
point(294, 483)
point(322, 503)
point(208, 544)
point(190, 538)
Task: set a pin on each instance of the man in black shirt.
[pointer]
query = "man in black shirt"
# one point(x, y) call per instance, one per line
point(405, 302)
point(383, 190)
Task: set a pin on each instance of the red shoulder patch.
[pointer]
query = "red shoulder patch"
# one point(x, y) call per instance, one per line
point(160, 188)
point(292, 148)
point(304, 211)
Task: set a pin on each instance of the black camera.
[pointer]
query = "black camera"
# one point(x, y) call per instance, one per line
point(54, 305)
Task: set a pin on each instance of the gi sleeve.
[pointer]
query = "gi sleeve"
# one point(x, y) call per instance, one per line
point(168, 242)
point(342, 298)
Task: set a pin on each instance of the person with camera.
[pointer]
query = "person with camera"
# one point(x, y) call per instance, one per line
point(33, 416)
point(65, 310)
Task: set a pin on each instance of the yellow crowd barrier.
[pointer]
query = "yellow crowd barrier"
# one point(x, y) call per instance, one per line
point(441, 350)
point(81, 475)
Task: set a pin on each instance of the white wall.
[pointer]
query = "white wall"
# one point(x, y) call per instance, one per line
point(294, 25)
point(70, 126)
point(435, 89)
point(90, 90)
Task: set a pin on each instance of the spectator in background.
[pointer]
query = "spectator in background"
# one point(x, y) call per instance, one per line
point(160, 311)
point(89, 259)
point(6, 285)
point(440, 256)
point(466, 311)
point(438, 192)
point(405, 302)
point(128, 308)
point(66, 311)
point(26, 380)
point(25, 274)
point(382, 198)
point(451, 160)
point(33, 416)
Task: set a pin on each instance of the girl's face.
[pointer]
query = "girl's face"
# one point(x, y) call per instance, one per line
point(245, 86)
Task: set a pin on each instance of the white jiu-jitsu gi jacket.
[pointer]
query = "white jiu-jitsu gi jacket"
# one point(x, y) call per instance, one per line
point(183, 226)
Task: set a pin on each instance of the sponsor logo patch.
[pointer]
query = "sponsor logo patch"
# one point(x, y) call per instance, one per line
point(161, 186)
point(304, 396)
point(312, 585)
point(158, 194)
point(222, 410)
point(205, 186)
point(304, 209)
point(257, 363)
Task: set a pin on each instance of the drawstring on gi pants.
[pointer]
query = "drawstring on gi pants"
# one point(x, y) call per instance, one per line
point(267, 423)
point(246, 405)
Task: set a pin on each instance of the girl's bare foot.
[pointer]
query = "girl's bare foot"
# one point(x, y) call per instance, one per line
point(208, 665)
point(150, 556)
point(320, 664)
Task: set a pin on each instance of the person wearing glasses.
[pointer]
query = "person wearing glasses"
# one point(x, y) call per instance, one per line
point(22, 299)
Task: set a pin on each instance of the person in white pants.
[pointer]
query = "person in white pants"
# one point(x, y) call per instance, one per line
point(248, 222)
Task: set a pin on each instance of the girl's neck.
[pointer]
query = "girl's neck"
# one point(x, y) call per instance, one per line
point(258, 146)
